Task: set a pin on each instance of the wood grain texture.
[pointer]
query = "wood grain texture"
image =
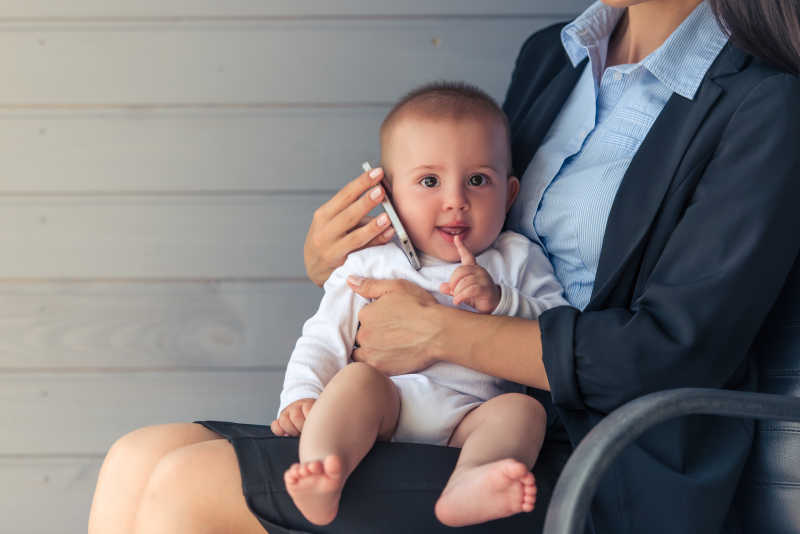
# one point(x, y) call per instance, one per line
point(96, 326)
point(46, 495)
point(28, 9)
point(161, 236)
point(261, 150)
point(243, 62)
point(84, 413)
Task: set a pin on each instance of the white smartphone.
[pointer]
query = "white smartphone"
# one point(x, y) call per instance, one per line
point(399, 231)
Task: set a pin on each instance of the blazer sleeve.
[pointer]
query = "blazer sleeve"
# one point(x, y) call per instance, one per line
point(720, 272)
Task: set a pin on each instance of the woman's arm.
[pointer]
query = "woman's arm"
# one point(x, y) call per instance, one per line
point(406, 330)
point(339, 228)
point(701, 302)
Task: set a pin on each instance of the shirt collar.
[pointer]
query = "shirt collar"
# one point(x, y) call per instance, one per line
point(590, 29)
point(680, 63)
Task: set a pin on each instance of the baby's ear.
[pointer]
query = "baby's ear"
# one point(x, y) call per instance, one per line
point(512, 191)
point(386, 181)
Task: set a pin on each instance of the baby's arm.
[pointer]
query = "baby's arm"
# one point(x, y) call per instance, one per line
point(322, 350)
point(529, 284)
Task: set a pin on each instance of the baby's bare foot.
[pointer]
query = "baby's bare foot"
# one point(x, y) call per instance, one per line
point(486, 492)
point(315, 488)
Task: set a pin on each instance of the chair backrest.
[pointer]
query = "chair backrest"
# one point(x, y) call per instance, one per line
point(768, 498)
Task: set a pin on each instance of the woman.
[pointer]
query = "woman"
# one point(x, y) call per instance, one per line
point(661, 174)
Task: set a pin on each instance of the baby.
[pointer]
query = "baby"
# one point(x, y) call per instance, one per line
point(446, 156)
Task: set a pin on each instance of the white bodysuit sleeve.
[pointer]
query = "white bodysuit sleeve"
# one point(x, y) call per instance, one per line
point(528, 285)
point(327, 339)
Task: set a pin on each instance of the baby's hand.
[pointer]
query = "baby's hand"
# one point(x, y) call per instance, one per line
point(291, 420)
point(471, 284)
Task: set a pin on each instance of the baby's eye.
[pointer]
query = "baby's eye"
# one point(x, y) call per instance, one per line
point(477, 179)
point(429, 181)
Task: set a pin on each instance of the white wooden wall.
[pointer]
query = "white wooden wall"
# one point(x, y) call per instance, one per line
point(160, 161)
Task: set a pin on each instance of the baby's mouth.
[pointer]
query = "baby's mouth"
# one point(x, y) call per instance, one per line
point(448, 232)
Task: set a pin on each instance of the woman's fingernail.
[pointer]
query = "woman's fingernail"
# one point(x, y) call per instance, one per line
point(375, 193)
point(354, 280)
point(374, 173)
point(383, 219)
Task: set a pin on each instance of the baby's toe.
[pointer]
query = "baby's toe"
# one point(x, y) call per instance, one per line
point(315, 467)
point(515, 470)
point(290, 477)
point(333, 466)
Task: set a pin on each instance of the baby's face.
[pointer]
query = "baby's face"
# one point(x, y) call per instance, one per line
point(449, 177)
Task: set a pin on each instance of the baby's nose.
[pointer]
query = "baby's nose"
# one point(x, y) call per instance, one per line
point(456, 200)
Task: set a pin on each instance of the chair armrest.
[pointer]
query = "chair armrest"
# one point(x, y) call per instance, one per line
point(575, 488)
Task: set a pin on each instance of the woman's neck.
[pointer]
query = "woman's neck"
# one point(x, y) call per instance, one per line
point(644, 27)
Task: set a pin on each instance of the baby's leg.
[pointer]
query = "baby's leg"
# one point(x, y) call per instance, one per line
point(357, 406)
point(500, 441)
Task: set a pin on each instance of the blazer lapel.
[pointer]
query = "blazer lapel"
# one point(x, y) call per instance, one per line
point(651, 172)
point(531, 128)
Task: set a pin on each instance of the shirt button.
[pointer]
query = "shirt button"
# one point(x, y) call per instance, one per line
point(617, 75)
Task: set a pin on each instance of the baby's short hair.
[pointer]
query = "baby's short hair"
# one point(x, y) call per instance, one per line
point(448, 100)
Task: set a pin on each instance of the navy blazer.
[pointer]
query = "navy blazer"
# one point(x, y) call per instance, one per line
point(699, 242)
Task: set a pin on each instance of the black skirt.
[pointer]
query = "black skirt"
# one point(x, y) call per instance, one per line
point(393, 490)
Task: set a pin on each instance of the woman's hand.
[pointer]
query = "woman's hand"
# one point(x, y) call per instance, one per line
point(341, 226)
point(396, 335)
point(405, 331)
point(291, 420)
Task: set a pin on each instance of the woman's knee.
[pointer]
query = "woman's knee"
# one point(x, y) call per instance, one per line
point(131, 448)
point(138, 452)
point(183, 484)
point(152, 442)
point(173, 494)
point(174, 475)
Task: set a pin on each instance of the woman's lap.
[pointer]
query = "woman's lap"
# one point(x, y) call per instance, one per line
point(393, 490)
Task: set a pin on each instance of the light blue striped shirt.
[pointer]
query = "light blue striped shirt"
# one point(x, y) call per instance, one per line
point(569, 185)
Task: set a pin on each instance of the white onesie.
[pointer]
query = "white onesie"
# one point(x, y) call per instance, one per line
point(434, 400)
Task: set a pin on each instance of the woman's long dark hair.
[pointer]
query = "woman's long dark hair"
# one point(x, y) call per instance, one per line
point(767, 29)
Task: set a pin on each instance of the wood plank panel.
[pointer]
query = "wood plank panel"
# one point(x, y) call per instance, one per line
point(132, 326)
point(210, 237)
point(46, 495)
point(246, 62)
point(84, 413)
point(282, 8)
point(187, 150)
